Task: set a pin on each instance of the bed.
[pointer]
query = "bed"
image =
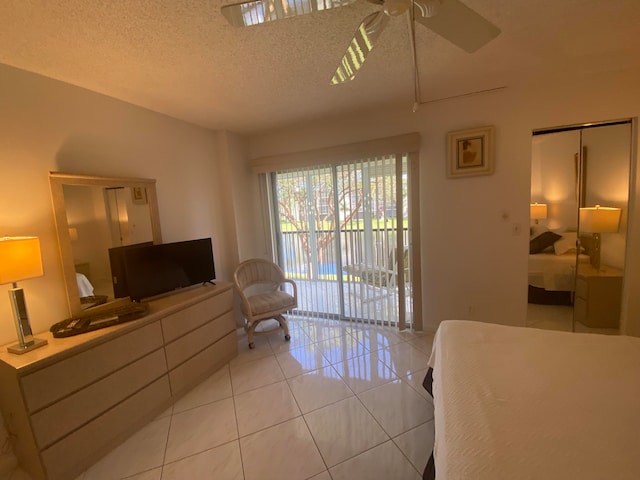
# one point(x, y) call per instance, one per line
point(553, 272)
point(552, 267)
point(521, 403)
point(85, 289)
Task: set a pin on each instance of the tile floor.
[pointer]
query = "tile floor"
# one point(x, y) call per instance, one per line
point(560, 317)
point(337, 402)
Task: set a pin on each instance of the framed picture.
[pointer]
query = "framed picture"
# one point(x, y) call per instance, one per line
point(470, 152)
point(139, 195)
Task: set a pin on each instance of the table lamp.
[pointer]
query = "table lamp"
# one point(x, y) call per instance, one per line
point(20, 259)
point(597, 220)
point(538, 211)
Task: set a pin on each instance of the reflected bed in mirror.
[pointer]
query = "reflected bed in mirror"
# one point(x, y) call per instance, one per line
point(94, 214)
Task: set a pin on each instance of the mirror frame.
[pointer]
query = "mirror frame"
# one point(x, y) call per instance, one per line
point(56, 182)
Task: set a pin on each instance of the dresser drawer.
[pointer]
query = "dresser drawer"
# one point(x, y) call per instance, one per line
point(73, 454)
point(197, 368)
point(179, 323)
point(72, 412)
point(198, 339)
point(45, 386)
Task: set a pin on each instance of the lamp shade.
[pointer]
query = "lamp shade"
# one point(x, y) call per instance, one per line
point(538, 210)
point(20, 259)
point(599, 219)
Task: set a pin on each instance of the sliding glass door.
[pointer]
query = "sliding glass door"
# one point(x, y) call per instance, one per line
point(342, 232)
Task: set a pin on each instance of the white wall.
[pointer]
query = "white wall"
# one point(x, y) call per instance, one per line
point(474, 266)
point(243, 195)
point(553, 178)
point(608, 183)
point(47, 125)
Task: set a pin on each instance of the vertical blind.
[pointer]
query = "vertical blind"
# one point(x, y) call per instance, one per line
point(342, 235)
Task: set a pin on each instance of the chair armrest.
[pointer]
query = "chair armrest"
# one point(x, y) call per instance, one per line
point(295, 288)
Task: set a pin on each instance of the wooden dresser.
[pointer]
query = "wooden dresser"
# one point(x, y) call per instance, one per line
point(70, 402)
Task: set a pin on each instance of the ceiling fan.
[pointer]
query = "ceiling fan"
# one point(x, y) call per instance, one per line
point(450, 19)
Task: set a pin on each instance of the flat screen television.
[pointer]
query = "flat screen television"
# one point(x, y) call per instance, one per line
point(150, 270)
point(118, 277)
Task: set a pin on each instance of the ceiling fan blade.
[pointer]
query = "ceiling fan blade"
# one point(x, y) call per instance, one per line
point(246, 14)
point(362, 43)
point(459, 24)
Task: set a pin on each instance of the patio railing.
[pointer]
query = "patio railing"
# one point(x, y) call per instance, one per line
point(323, 264)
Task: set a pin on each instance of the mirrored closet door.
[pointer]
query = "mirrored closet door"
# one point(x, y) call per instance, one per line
point(579, 199)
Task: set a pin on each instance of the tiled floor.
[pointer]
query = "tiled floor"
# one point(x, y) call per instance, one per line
point(337, 402)
point(560, 317)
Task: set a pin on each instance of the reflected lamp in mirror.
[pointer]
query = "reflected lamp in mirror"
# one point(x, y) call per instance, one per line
point(20, 259)
point(597, 220)
point(538, 211)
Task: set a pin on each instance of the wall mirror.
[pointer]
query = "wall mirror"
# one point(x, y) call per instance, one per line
point(92, 215)
point(579, 176)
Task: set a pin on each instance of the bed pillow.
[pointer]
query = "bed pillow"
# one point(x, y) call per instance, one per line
point(567, 244)
point(543, 241)
point(536, 231)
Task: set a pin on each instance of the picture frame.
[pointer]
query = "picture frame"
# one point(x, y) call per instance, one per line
point(139, 195)
point(470, 152)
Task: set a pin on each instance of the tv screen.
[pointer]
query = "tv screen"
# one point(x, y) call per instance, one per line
point(118, 277)
point(154, 269)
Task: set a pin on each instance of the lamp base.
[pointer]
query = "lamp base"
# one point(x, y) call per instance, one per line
point(28, 346)
point(595, 254)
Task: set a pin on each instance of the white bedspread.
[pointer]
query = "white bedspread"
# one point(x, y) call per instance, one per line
point(554, 272)
point(516, 403)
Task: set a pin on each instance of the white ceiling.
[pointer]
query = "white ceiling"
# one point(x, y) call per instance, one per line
point(181, 58)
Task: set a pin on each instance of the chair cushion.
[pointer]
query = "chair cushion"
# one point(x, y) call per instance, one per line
point(268, 302)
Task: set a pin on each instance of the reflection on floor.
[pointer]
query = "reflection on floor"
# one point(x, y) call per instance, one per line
point(337, 402)
point(559, 317)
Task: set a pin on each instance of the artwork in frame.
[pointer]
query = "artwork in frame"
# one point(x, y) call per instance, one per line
point(470, 152)
point(139, 195)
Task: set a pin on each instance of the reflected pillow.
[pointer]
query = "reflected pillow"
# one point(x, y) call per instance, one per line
point(537, 230)
point(543, 241)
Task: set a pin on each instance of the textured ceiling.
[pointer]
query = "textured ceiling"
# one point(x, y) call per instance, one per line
point(181, 58)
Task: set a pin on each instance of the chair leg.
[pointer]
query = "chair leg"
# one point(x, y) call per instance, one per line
point(285, 326)
point(250, 331)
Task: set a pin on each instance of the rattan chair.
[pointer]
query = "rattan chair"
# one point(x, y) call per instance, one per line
point(260, 286)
